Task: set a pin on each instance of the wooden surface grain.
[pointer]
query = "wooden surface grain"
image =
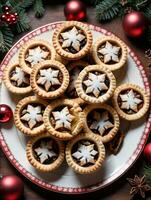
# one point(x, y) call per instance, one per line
point(119, 190)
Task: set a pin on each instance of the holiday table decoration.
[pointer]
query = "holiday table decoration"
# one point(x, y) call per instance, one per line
point(11, 187)
point(6, 113)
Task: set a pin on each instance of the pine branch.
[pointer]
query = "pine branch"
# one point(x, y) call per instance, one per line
point(147, 172)
point(147, 11)
point(23, 23)
point(107, 10)
point(149, 34)
point(38, 8)
point(6, 39)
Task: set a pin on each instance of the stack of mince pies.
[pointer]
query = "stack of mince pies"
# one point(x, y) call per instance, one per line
point(71, 106)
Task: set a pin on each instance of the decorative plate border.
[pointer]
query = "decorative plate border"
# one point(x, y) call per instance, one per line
point(99, 185)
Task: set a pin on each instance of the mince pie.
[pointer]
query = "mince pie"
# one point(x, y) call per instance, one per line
point(85, 153)
point(74, 69)
point(63, 119)
point(101, 120)
point(49, 79)
point(16, 80)
point(72, 40)
point(28, 116)
point(95, 84)
point(34, 52)
point(110, 51)
point(45, 153)
point(131, 101)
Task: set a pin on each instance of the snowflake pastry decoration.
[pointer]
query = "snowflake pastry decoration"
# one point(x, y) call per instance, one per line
point(73, 79)
point(130, 101)
point(95, 84)
point(110, 52)
point(19, 77)
point(63, 118)
point(45, 151)
point(36, 55)
point(101, 122)
point(72, 38)
point(48, 77)
point(32, 115)
point(85, 153)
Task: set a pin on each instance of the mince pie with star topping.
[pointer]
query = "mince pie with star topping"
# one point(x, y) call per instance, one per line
point(95, 84)
point(85, 153)
point(101, 120)
point(74, 69)
point(72, 40)
point(49, 79)
point(110, 51)
point(34, 52)
point(45, 153)
point(63, 119)
point(16, 80)
point(28, 115)
point(131, 101)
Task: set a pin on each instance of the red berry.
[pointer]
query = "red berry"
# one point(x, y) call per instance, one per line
point(6, 8)
point(6, 113)
point(16, 14)
point(3, 17)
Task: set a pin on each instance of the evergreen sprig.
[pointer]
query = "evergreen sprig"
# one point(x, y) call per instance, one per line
point(147, 172)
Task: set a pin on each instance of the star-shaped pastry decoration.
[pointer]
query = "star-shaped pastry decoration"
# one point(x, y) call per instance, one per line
point(45, 151)
point(48, 77)
point(72, 38)
point(95, 84)
point(19, 76)
point(73, 78)
point(85, 153)
point(101, 122)
point(110, 52)
point(63, 118)
point(130, 101)
point(32, 115)
point(36, 55)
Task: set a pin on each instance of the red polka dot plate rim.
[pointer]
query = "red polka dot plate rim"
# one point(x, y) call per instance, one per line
point(64, 180)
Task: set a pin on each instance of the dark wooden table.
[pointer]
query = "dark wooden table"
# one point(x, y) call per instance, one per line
point(118, 190)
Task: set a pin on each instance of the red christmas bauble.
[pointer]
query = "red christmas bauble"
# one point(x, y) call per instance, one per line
point(134, 24)
point(75, 10)
point(11, 187)
point(147, 152)
point(6, 113)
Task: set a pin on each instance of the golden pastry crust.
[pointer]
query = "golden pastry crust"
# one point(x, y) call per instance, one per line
point(18, 79)
point(33, 44)
point(62, 84)
point(145, 101)
point(114, 40)
point(100, 98)
point(113, 128)
point(99, 148)
point(37, 164)
point(71, 126)
point(70, 92)
point(22, 104)
point(66, 26)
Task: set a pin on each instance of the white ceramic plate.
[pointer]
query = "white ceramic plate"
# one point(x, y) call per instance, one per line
point(64, 180)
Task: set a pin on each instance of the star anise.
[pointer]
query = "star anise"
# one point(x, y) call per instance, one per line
point(138, 186)
point(123, 2)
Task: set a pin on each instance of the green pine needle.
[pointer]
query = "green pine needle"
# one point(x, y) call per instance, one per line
point(147, 11)
point(6, 39)
point(147, 172)
point(107, 10)
point(23, 23)
point(38, 8)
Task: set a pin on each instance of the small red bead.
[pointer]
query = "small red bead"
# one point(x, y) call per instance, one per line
point(16, 14)
point(3, 17)
point(6, 8)
point(6, 113)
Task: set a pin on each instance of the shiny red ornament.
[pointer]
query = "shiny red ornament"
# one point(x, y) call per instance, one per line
point(147, 152)
point(6, 113)
point(75, 10)
point(11, 188)
point(134, 24)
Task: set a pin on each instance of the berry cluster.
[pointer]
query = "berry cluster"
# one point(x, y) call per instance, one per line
point(8, 17)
